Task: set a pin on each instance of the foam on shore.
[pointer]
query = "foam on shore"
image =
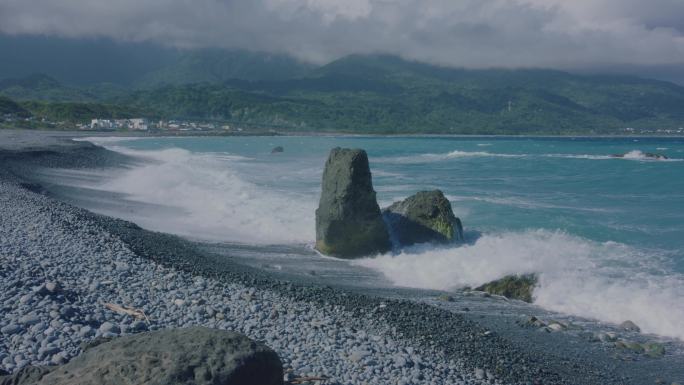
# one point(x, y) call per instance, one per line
point(608, 281)
point(217, 204)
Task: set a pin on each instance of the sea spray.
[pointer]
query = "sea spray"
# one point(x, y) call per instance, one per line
point(604, 281)
point(216, 203)
point(516, 194)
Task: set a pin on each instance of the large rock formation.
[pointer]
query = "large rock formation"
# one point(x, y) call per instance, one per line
point(423, 217)
point(348, 219)
point(197, 356)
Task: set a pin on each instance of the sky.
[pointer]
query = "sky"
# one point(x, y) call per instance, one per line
point(562, 34)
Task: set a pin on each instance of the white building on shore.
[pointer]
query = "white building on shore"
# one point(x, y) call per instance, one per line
point(102, 124)
point(131, 124)
point(139, 124)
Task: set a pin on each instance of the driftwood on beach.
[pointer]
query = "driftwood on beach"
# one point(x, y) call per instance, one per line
point(135, 313)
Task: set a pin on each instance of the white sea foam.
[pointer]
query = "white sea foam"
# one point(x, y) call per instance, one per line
point(105, 140)
point(634, 155)
point(604, 281)
point(429, 158)
point(523, 203)
point(218, 203)
point(579, 156)
point(638, 155)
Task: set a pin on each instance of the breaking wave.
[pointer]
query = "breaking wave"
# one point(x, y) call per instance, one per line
point(634, 155)
point(429, 158)
point(631, 155)
point(215, 202)
point(607, 281)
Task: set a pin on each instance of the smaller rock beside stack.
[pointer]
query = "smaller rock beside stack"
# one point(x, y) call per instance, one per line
point(424, 217)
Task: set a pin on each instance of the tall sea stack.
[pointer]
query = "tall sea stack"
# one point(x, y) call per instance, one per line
point(348, 219)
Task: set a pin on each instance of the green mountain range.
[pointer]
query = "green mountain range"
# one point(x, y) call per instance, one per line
point(215, 66)
point(366, 94)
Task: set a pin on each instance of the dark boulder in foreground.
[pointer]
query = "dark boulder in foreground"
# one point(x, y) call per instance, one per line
point(28, 375)
point(348, 219)
point(198, 356)
point(424, 217)
point(512, 286)
point(277, 150)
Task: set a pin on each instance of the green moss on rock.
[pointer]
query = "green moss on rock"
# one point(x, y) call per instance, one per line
point(512, 286)
point(424, 217)
point(348, 219)
point(654, 349)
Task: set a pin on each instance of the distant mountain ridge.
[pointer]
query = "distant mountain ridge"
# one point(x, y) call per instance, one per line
point(215, 66)
point(380, 94)
point(10, 107)
point(43, 87)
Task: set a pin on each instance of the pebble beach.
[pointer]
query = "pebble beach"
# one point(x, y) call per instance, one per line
point(66, 274)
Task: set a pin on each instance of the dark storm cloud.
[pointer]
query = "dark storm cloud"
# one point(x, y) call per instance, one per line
point(473, 33)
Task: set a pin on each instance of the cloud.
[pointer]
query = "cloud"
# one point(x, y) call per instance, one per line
point(563, 34)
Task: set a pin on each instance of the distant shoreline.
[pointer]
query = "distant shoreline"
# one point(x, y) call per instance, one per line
point(167, 134)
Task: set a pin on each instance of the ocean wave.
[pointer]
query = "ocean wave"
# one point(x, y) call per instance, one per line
point(634, 155)
point(429, 158)
point(605, 281)
point(217, 202)
point(104, 140)
point(579, 156)
point(523, 203)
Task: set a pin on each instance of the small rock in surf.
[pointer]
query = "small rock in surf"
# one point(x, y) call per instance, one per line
point(640, 155)
point(512, 286)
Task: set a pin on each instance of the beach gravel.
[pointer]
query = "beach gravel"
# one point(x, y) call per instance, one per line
point(62, 268)
point(44, 241)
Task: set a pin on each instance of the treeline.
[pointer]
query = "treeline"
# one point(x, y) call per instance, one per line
point(383, 94)
point(81, 112)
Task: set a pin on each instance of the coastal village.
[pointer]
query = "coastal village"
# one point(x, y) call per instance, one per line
point(106, 124)
point(143, 124)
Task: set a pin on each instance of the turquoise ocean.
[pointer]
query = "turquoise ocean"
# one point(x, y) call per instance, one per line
point(605, 234)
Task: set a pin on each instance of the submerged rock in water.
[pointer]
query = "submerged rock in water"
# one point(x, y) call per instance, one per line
point(640, 155)
point(277, 149)
point(198, 356)
point(423, 217)
point(630, 326)
point(512, 286)
point(631, 346)
point(348, 219)
point(654, 349)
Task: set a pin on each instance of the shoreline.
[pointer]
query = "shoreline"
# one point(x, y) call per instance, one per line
point(170, 134)
point(472, 348)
